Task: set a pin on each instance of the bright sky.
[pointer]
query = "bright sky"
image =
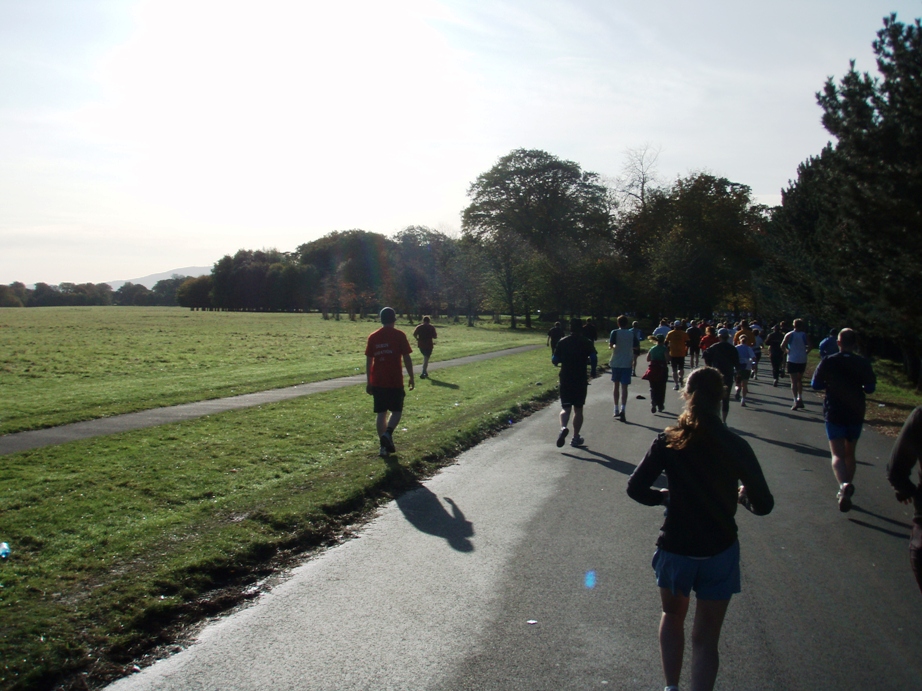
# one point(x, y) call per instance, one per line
point(141, 136)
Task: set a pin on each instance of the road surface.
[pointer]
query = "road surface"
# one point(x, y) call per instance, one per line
point(525, 566)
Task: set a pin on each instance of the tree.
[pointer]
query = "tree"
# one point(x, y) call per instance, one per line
point(850, 226)
point(195, 293)
point(533, 206)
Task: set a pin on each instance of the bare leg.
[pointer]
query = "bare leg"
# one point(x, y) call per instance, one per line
point(672, 634)
point(797, 386)
point(565, 416)
point(843, 459)
point(577, 421)
point(709, 618)
point(623, 396)
point(425, 364)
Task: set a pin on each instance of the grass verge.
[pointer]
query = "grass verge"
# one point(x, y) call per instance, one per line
point(60, 365)
point(120, 542)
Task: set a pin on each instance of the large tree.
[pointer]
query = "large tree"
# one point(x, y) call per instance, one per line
point(531, 210)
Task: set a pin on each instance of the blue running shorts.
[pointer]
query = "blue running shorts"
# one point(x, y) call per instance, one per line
point(712, 578)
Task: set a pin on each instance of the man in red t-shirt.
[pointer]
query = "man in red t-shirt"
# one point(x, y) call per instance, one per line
point(425, 335)
point(384, 376)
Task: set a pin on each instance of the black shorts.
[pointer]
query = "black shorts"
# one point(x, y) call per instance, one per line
point(678, 362)
point(573, 393)
point(694, 349)
point(426, 351)
point(797, 367)
point(387, 399)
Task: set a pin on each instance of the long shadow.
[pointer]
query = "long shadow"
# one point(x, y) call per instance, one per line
point(445, 384)
point(791, 415)
point(426, 513)
point(614, 464)
point(882, 518)
point(903, 536)
point(799, 448)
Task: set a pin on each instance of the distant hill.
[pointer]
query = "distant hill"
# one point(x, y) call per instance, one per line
point(149, 281)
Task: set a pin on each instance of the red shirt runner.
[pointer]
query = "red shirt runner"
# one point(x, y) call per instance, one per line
point(386, 347)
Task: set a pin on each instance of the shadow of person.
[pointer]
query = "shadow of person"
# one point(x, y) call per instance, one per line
point(426, 513)
point(436, 382)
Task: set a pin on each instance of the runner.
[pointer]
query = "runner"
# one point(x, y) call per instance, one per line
point(698, 549)
point(747, 357)
point(571, 355)
point(742, 330)
point(723, 357)
point(663, 328)
point(638, 337)
point(757, 349)
point(907, 451)
point(425, 334)
point(621, 343)
point(554, 334)
point(677, 342)
point(829, 345)
point(709, 338)
point(694, 345)
point(846, 378)
point(384, 377)
point(775, 353)
point(657, 374)
point(796, 344)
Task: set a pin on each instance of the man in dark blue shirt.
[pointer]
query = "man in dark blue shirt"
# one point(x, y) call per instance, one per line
point(846, 377)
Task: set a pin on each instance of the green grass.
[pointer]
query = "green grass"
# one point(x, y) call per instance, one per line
point(60, 365)
point(121, 540)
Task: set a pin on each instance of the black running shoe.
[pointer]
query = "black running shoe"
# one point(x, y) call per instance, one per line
point(562, 437)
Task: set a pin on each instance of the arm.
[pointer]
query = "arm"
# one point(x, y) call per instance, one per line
point(870, 380)
point(754, 494)
point(408, 363)
point(785, 341)
point(818, 383)
point(368, 374)
point(906, 452)
point(639, 485)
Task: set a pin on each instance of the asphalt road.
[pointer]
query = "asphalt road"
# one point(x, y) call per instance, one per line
point(525, 566)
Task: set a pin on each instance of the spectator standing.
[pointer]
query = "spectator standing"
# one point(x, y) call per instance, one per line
point(846, 377)
point(384, 351)
point(710, 471)
point(425, 335)
point(907, 452)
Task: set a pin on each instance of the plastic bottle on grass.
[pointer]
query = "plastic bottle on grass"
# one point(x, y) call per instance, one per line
point(4, 550)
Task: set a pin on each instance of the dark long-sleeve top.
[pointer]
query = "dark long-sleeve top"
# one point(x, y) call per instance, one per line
point(907, 451)
point(846, 377)
point(703, 489)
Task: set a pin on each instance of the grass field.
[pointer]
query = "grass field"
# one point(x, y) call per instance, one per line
point(60, 365)
point(120, 540)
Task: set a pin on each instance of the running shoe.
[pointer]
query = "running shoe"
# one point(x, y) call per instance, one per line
point(776, 383)
point(388, 443)
point(661, 409)
point(675, 388)
point(562, 437)
point(800, 403)
point(653, 408)
point(743, 403)
point(577, 440)
point(845, 496)
point(795, 406)
point(621, 417)
point(383, 452)
point(737, 395)
point(423, 376)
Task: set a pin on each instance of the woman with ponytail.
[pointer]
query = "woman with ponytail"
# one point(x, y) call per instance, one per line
point(710, 470)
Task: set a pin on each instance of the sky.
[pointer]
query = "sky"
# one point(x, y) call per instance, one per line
point(140, 136)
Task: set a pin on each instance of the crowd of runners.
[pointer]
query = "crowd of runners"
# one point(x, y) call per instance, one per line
point(710, 469)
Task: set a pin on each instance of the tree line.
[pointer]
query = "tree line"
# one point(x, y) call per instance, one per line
point(543, 238)
point(163, 294)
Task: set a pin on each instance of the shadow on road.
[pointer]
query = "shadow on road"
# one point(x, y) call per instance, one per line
point(613, 464)
point(904, 536)
point(427, 514)
point(799, 448)
point(883, 518)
